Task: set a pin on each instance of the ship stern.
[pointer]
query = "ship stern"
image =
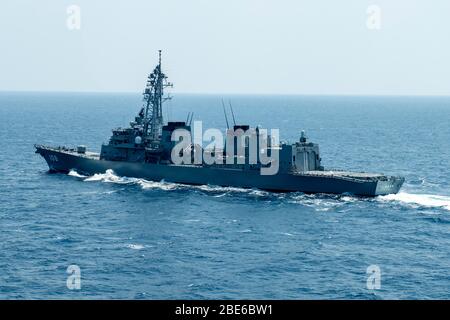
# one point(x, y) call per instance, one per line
point(391, 185)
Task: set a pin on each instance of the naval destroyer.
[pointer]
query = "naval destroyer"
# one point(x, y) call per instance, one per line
point(145, 150)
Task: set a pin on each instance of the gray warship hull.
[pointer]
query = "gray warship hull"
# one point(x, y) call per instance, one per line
point(335, 182)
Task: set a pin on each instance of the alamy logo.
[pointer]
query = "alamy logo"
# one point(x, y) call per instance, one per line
point(373, 21)
point(73, 281)
point(374, 277)
point(244, 146)
point(73, 21)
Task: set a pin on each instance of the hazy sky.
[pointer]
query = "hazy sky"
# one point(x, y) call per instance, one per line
point(232, 46)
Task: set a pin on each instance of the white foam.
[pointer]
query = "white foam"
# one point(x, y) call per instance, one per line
point(319, 202)
point(135, 246)
point(425, 200)
point(214, 188)
point(156, 185)
point(111, 177)
point(73, 173)
point(108, 176)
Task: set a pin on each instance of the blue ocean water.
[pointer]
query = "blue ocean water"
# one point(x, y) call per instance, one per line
point(136, 239)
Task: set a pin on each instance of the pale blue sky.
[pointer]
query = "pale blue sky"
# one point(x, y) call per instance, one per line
point(232, 46)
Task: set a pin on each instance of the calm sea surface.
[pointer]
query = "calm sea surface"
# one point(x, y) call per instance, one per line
point(136, 239)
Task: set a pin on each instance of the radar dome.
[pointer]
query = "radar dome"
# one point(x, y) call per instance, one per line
point(138, 140)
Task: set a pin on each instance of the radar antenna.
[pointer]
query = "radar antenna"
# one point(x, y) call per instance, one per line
point(153, 100)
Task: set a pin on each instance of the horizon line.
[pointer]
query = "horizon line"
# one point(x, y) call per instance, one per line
point(233, 93)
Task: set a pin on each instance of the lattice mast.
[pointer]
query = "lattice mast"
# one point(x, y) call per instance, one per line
point(153, 101)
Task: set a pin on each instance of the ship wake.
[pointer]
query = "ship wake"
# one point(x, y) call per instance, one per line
point(75, 174)
point(418, 200)
point(110, 177)
point(323, 202)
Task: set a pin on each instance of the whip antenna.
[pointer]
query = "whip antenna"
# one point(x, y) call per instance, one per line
point(232, 113)
point(225, 114)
